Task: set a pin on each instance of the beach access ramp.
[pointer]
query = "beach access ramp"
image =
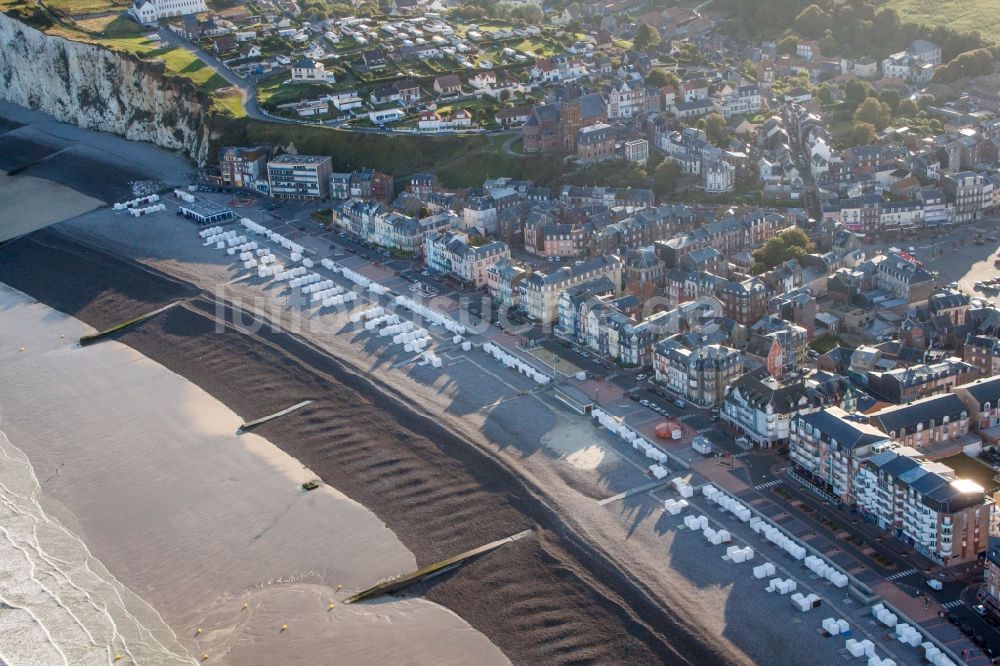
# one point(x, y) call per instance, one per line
point(398, 583)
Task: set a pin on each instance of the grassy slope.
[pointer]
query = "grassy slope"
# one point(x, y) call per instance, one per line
point(962, 15)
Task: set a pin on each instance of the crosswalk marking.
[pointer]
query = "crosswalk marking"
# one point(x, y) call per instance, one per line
point(769, 484)
point(686, 417)
point(901, 574)
point(704, 430)
point(742, 454)
point(952, 604)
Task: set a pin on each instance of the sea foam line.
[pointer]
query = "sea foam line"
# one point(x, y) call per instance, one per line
point(33, 512)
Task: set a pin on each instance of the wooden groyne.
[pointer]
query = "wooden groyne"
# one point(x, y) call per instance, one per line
point(265, 419)
point(96, 337)
point(437, 568)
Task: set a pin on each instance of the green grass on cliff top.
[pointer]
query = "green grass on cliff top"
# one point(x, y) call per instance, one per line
point(179, 61)
point(961, 15)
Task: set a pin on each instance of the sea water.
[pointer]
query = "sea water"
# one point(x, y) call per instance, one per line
point(58, 604)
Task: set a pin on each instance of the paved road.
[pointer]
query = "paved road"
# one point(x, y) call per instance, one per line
point(250, 105)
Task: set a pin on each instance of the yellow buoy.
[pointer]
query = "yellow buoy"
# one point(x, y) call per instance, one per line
point(118, 657)
point(330, 607)
point(339, 587)
point(22, 348)
point(284, 627)
point(204, 657)
point(197, 631)
point(245, 605)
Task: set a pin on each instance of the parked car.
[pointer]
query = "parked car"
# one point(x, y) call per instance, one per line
point(640, 377)
point(680, 404)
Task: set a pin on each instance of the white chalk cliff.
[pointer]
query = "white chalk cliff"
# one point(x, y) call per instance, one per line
point(97, 88)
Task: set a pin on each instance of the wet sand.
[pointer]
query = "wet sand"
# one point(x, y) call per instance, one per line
point(148, 470)
point(21, 211)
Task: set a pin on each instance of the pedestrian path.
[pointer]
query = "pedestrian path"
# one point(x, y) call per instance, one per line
point(899, 575)
point(769, 484)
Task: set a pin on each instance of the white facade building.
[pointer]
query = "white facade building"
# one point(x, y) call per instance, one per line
point(151, 11)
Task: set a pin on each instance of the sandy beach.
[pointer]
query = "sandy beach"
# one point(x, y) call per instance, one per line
point(21, 213)
point(147, 469)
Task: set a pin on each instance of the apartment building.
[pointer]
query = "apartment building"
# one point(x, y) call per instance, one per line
point(637, 150)
point(921, 380)
point(902, 277)
point(376, 223)
point(243, 167)
point(372, 184)
point(700, 374)
point(574, 303)
point(451, 253)
point(982, 400)
point(300, 176)
point(595, 142)
point(973, 194)
point(828, 447)
point(539, 291)
point(983, 353)
point(924, 424)
point(779, 344)
point(744, 101)
point(925, 505)
point(503, 281)
point(761, 409)
point(745, 301)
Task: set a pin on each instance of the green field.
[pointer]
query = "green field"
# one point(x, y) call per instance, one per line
point(962, 15)
point(74, 7)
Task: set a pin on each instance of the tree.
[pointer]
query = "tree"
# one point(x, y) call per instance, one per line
point(659, 77)
point(811, 22)
point(788, 45)
point(968, 64)
point(790, 244)
point(715, 128)
point(874, 112)
point(646, 36)
point(665, 177)
point(863, 134)
point(824, 94)
point(885, 24)
point(855, 92)
point(890, 98)
point(532, 14)
point(907, 108)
